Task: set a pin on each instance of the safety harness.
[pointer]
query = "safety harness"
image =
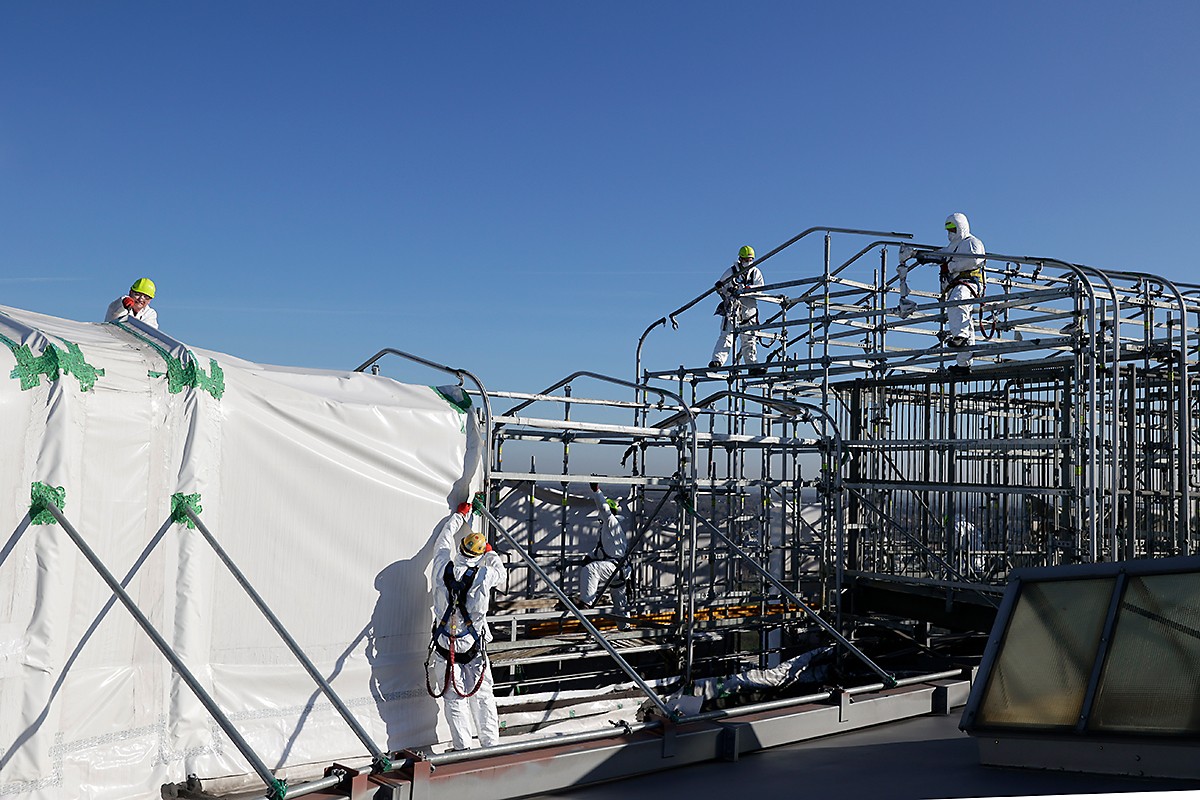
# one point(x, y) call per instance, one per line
point(618, 578)
point(976, 281)
point(457, 589)
point(972, 278)
point(739, 281)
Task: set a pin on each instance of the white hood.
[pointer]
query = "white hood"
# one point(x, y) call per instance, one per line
point(964, 227)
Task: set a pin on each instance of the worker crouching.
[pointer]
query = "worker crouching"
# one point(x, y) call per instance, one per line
point(605, 564)
point(464, 573)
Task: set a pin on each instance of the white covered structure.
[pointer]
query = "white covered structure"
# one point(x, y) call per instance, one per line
point(325, 488)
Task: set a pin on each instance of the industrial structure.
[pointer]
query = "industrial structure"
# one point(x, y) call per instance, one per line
point(831, 527)
point(860, 472)
point(856, 491)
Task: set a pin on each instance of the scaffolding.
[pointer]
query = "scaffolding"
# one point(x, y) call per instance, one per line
point(761, 502)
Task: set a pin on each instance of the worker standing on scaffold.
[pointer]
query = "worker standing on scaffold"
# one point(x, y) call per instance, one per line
point(962, 278)
point(463, 578)
point(737, 311)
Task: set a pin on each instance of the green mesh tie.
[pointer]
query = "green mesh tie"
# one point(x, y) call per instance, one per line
point(180, 503)
point(53, 361)
point(180, 377)
point(39, 495)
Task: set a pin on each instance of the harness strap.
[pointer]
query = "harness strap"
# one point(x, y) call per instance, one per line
point(457, 590)
point(971, 279)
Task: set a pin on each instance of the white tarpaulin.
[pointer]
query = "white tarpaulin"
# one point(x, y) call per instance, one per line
point(325, 488)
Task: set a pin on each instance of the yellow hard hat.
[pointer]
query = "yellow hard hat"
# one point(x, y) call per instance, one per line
point(143, 285)
point(473, 544)
point(746, 252)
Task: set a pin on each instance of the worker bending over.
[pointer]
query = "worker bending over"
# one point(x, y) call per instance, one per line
point(603, 563)
point(737, 311)
point(136, 304)
point(465, 570)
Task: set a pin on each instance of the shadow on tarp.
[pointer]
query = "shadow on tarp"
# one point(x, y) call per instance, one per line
point(399, 631)
point(397, 641)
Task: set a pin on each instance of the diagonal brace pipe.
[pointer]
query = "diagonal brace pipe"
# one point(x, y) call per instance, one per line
point(380, 762)
point(579, 615)
point(888, 678)
point(276, 788)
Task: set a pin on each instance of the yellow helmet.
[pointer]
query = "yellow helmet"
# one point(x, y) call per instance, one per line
point(143, 285)
point(473, 545)
point(746, 252)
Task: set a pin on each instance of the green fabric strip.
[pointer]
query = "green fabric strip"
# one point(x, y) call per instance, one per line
point(461, 406)
point(181, 376)
point(39, 495)
point(53, 363)
point(180, 503)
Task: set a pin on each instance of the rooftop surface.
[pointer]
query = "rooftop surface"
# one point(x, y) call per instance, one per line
point(925, 757)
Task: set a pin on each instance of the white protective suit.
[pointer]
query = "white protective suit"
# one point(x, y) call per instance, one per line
point(738, 311)
point(611, 546)
point(477, 710)
point(965, 283)
point(117, 312)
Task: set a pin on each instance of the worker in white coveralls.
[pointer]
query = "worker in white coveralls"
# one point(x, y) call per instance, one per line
point(961, 279)
point(602, 564)
point(738, 311)
point(465, 570)
point(136, 304)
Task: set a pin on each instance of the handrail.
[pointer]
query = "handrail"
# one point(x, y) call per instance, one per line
point(277, 788)
point(795, 408)
point(380, 762)
point(459, 374)
point(637, 370)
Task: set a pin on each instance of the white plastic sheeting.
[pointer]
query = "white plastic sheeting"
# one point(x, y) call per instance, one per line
point(325, 488)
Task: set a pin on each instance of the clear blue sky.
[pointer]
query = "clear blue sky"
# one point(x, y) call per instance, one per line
point(519, 188)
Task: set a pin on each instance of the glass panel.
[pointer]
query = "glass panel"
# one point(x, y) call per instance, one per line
point(1153, 667)
point(1045, 661)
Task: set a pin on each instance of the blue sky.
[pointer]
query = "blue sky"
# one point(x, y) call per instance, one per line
point(520, 188)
